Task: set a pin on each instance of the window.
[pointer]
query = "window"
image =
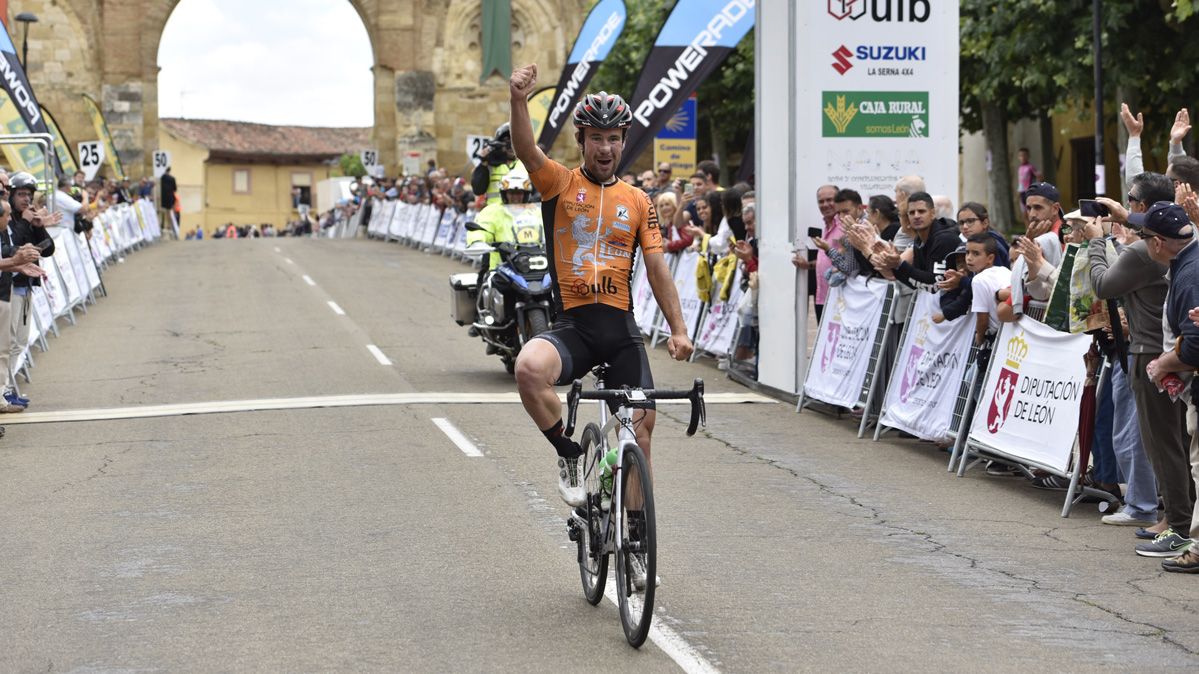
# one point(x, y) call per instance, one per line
point(241, 181)
point(303, 183)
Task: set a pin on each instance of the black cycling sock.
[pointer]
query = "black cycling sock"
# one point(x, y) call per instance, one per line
point(563, 445)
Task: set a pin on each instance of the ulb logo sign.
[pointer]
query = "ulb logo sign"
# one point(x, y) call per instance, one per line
point(875, 114)
point(883, 11)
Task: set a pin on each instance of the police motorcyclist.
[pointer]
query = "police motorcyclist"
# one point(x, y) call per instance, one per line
point(497, 160)
point(516, 189)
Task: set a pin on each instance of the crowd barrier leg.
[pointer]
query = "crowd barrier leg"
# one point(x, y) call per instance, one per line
point(968, 408)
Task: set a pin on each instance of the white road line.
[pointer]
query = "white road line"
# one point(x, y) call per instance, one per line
point(451, 431)
point(336, 309)
point(671, 642)
point(277, 249)
point(383, 360)
point(318, 402)
point(288, 260)
point(308, 280)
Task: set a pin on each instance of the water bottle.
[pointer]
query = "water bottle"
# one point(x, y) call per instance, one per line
point(607, 468)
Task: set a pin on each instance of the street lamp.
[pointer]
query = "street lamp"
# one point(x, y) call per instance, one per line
point(25, 18)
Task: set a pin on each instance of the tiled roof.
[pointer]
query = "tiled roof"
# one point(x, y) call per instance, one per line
point(246, 140)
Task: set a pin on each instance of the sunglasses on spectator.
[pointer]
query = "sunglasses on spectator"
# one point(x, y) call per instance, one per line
point(1146, 235)
point(665, 171)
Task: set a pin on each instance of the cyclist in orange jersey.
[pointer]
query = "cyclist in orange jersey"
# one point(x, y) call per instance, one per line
point(595, 224)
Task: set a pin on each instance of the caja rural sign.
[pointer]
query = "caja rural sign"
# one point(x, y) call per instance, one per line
point(875, 114)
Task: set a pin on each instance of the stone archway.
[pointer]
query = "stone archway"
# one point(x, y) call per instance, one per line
point(108, 49)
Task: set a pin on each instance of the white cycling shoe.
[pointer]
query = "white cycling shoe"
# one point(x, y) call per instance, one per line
point(637, 574)
point(570, 481)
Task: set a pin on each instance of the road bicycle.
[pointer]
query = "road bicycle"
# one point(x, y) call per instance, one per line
point(618, 516)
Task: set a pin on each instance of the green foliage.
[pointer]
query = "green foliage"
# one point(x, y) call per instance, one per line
point(351, 165)
point(725, 99)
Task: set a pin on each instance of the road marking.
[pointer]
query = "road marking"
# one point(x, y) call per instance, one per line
point(318, 402)
point(308, 280)
point(336, 309)
point(277, 249)
point(288, 260)
point(383, 360)
point(451, 431)
point(671, 642)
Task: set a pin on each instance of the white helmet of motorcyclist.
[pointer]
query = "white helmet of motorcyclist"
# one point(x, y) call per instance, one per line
point(516, 182)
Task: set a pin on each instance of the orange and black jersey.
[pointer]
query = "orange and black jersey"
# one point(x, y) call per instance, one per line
point(593, 232)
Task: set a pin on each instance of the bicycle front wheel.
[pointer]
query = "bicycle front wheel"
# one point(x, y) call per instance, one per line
point(636, 553)
point(593, 555)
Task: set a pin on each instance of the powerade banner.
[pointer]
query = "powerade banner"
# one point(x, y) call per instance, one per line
point(696, 37)
point(62, 149)
point(20, 93)
point(27, 157)
point(114, 161)
point(539, 108)
point(600, 30)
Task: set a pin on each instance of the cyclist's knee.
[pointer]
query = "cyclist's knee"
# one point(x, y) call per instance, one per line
point(538, 365)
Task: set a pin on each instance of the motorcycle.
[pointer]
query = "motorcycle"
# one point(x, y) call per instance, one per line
point(512, 304)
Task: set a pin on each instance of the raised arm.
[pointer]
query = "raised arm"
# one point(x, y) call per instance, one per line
point(520, 85)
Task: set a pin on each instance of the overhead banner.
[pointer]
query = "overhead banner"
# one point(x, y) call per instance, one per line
point(20, 94)
point(844, 341)
point(928, 369)
point(600, 30)
point(696, 37)
point(62, 148)
point(877, 97)
point(675, 144)
point(114, 161)
point(1028, 406)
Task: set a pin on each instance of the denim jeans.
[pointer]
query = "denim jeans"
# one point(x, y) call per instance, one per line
point(1102, 456)
point(1140, 499)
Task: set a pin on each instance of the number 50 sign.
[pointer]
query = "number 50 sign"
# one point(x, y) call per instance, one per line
point(91, 156)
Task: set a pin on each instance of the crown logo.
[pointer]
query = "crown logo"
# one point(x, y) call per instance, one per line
point(1017, 351)
point(922, 327)
point(839, 309)
point(840, 116)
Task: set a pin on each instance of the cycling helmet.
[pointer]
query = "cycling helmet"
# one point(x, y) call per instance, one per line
point(503, 132)
point(22, 180)
point(603, 111)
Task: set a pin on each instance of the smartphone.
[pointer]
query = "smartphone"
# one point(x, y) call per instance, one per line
point(45, 245)
point(1089, 208)
point(688, 188)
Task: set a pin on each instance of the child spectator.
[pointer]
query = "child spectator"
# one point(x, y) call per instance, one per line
point(986, 282)
point(956, 292)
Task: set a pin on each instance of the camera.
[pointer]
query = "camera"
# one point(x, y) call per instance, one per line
point(498, 152)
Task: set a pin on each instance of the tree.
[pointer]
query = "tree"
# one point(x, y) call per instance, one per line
point(351, 165)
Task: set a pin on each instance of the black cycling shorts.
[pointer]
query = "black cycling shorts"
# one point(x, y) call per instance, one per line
point(597, 333)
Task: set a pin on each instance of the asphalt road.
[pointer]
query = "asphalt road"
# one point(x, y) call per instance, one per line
point(362, 538)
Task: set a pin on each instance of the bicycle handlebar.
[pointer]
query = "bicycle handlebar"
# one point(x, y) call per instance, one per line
point(637, 398)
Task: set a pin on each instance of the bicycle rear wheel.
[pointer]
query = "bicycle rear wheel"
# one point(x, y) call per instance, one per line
point(636, 555)
point(592, 543)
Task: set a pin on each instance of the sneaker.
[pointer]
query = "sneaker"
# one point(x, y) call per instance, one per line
point(998, 469)
point(570, 481)
point(637, 574)
point(1167, 544)
point(1051, 482)
point(1123, 519)
point(1145, 534)
point(1188, 562)
point(12, 404)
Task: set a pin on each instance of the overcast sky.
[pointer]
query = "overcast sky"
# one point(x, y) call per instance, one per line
point(304, 62)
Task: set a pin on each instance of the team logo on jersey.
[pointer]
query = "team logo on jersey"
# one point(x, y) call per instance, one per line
point(622, 212)
point(581, 196)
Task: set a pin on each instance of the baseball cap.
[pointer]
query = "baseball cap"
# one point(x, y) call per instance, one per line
point(1046, 190)
point(1164, 219)
point(950, 259)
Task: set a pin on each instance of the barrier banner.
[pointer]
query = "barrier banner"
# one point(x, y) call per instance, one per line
point(720, 325)
point(684, 280)
point(600, 30)
point(14, 83)
point(931, 361)
point(644, 306)
point(851, 316)
point(101, 128)
point(696, 37)
point(1028, 406)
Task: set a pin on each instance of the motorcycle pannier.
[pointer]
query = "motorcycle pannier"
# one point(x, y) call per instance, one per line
point(462, 298)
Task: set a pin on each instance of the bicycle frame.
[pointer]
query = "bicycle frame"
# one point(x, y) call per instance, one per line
point(622, 421)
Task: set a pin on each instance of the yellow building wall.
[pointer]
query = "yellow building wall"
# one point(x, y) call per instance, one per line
point(188, 168)
point(268, 199)
point(1077, 123)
